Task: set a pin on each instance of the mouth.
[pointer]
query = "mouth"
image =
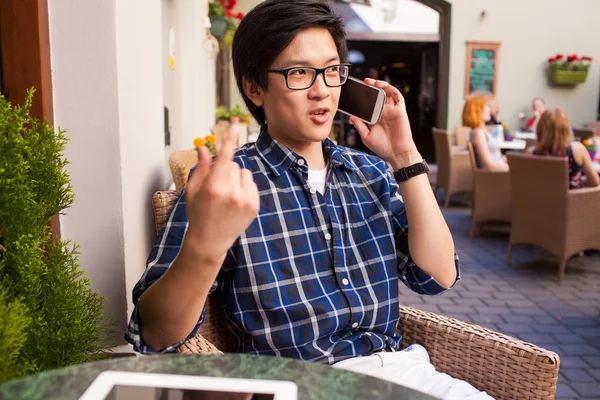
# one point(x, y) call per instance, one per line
point(320, 115)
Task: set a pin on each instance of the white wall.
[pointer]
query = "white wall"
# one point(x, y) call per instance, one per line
point(107, 94)
point(190, 89)
point(531, 31)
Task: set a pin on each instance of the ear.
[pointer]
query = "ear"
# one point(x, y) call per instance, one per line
point(253, 91)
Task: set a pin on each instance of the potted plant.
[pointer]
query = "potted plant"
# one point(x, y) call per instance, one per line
point(570, 70)
point(591, 144)
point(223, 20)
point(49, 315)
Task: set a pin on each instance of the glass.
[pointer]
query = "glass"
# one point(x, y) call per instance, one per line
point(300, 78)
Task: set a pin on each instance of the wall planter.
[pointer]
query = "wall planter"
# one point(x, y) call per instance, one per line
point(562, 77)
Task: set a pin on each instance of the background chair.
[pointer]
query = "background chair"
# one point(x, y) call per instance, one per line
point(491, 194)
point(454, 172)
point(583, 133)
point(594, 125)
point(180, 163)
point(506, 368)
point(463, 135)
point(546, 213)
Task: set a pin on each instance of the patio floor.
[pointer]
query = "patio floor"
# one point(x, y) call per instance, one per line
point(526, 301)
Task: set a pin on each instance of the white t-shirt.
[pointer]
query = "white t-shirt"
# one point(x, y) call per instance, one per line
point(316, 179)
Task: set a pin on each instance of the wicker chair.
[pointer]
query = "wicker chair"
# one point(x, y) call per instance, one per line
point(454, 172)
point(506, 368)
point(181, 162)
point(491, 194)
point(546, 213)
point(463, 135)
point(583, 133)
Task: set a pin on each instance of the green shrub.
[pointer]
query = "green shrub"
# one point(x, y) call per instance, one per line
point(49, 316)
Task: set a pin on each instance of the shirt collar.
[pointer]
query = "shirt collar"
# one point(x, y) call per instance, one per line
point(279, 157)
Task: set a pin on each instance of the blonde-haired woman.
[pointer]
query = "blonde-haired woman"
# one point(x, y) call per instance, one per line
point(487, 147)
point(553, 133)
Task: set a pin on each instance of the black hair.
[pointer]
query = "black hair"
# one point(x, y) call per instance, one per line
point(268, 29)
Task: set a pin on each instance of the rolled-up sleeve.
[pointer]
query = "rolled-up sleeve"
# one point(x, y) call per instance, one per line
point(410, 273)
point(162, 255)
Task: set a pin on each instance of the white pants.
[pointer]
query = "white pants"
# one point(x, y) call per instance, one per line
point(411, 368)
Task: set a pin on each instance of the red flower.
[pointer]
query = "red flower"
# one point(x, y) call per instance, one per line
point(240, 15)
point(586, 58)
point(559, 57)
point(551, 59)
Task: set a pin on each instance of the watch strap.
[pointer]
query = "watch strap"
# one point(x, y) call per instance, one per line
point(404, 174)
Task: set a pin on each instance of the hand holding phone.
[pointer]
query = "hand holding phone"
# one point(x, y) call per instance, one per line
point(390, 136)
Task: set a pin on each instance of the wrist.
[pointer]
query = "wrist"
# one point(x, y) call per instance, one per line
point(405, 159)
point(193, 253)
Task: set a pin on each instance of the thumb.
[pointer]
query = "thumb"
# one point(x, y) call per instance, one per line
point(201, 171)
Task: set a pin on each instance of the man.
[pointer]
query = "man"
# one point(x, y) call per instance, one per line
point(302, 240)
point(538, 106)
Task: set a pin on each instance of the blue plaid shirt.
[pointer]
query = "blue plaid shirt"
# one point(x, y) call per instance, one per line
point(315, 276)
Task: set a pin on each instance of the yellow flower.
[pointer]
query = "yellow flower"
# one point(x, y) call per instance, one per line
point(585, 142)
point(211, 139)
point(199, 142)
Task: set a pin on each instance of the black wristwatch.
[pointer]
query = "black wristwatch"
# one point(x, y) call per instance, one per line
point(404, 174)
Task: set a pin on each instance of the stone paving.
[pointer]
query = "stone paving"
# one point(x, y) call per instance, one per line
point(526, 301)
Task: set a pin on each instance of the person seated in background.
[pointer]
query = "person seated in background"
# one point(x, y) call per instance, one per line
point(486, 146)
point(494, 113)
point(553, 139)
point(538, 106)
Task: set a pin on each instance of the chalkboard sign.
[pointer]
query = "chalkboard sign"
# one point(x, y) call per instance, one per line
point(482, 71)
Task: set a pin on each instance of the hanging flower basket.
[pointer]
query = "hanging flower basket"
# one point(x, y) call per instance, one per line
point(218, 26)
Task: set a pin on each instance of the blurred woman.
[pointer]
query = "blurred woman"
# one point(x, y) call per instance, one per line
point(554, 139)
point(486, 146)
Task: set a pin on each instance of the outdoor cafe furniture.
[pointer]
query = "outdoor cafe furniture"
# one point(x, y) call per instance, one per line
point(180, 163)
point(454, 172)
point(504, 367)
point(546, 213)
point(491, 194)
point(583, 133)
point(462, 134)
point(314, 381)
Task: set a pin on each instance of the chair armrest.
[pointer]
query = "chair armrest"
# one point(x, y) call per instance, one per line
point(504, 367)
point(198, 345)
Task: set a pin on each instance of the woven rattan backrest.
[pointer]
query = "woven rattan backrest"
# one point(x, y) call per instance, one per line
point(441, 139)
point(463, 134)
point(181, 162)
point(214, 328)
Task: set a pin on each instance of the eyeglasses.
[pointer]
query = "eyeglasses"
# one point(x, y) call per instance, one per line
point(300, 78)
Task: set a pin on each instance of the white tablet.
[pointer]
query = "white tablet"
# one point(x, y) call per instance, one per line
point(118, 385)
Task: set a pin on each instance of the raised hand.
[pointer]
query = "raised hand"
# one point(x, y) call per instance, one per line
point(222, 201)
point(391, 138)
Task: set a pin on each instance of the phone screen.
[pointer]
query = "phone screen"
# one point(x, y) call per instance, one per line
point(358, 99)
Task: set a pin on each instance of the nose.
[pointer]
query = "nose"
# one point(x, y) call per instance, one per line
point(319, 90)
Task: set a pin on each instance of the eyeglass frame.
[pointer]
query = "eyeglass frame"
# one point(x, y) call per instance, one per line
point(318, 71)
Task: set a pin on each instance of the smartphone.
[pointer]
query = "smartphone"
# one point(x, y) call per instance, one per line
point(361, 100)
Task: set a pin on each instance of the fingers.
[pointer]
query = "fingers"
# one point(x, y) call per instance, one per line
point(202, 169)
point(361, 127)
point(393, 94)
point(223, 161)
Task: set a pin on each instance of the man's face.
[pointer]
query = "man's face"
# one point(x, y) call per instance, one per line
point(486, 113)
point(539, 107)
point(298, 118)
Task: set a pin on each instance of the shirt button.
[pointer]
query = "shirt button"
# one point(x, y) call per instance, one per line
point(355, 325)
point(313, 190)
point(300, 162)
point(327, 236)
point(345, 281)
point(327, 354)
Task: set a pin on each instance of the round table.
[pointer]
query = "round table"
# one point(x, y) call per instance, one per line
point(315, 381)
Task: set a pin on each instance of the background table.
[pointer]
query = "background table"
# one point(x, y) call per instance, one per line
point(515, 144)
point(315, 381)
point(596, 165)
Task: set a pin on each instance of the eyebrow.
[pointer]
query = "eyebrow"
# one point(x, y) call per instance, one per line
point(305, 63)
